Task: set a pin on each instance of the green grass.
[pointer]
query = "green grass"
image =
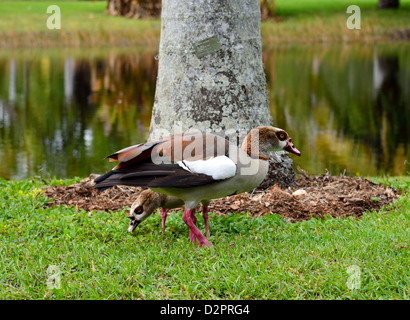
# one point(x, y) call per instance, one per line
point(251, 258)
point(75, 16)
point(325, 21)
point(23, 24)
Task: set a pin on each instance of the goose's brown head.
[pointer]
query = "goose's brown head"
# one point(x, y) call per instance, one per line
point(260, 140)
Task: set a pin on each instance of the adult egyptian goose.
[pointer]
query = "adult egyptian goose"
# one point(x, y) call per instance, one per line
point(197, 166)
point(149, 201)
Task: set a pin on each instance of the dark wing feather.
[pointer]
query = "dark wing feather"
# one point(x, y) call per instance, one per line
point(145, 174)
point(152, 175)
point(182, 180)
point(103, 177)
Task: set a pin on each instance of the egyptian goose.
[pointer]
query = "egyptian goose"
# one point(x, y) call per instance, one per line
point(197, 166)
point(149, 201)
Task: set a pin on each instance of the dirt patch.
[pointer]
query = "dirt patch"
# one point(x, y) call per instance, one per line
point(338, 196)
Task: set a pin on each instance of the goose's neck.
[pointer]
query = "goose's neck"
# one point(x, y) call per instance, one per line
point(254, 147)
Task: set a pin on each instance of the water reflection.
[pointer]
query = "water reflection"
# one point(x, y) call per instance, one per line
point(347, 115)
point(61, 113)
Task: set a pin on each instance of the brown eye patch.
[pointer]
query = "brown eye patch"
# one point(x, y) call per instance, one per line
point(281, 135)
point(139, 210)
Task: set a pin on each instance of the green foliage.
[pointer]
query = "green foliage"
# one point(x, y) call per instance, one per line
point(251, 258)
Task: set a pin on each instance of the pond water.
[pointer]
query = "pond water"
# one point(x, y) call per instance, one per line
point(347, 107)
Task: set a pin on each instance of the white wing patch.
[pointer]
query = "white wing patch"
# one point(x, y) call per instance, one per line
point(218, 168)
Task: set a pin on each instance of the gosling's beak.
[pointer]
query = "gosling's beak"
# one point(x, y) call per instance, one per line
point(133, 224)
point(290, 147)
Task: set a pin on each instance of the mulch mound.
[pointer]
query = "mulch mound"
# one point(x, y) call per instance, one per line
point(83, 195)
point(338, 196)
point(311, 196)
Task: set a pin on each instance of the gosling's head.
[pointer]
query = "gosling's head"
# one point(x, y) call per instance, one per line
point(146, 203)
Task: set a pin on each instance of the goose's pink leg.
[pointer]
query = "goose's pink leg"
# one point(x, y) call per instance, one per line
point(187, 217)
point(163, 218)
point(192, 236)
point(206, 217)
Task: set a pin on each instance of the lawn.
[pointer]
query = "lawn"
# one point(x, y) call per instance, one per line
point(83, 23)
point(325, 21)
point(23, 24)
point(251, 258)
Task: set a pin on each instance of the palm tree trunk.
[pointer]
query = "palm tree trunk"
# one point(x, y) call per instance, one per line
point(134, 8)
point(385, 4)
point(266, 10)
point(224, 89)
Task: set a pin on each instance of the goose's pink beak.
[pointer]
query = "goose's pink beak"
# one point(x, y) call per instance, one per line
point(290, 147)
